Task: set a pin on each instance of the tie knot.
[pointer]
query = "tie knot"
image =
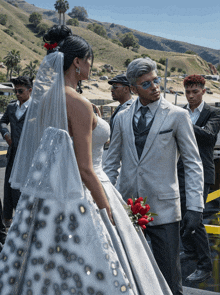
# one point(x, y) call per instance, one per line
point(144, 110)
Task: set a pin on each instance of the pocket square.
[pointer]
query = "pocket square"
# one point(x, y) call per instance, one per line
point(166, 131)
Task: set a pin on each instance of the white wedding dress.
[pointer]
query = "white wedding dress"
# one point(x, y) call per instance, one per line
point(60, 243)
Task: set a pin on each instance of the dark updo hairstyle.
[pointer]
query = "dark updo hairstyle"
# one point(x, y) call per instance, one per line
point(71, 45)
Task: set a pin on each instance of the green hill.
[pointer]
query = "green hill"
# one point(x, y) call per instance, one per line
point(30, 44)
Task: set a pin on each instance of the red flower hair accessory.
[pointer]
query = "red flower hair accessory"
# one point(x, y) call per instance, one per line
point(138, 211)
point(50, 46)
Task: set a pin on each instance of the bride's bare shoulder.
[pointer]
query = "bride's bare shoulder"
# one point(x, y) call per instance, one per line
point(76, 101)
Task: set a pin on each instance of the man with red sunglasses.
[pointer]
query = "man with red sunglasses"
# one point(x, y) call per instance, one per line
point(15, 115)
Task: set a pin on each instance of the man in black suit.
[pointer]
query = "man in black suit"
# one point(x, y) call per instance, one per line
point(206, 124)
point(15, 115)
point(120, 92)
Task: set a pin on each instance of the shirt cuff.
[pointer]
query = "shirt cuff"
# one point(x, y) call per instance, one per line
point(198, 209)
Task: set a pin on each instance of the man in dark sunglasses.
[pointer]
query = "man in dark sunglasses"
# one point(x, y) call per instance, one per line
point(121, 92)
point(147, 140)
point(15, 115)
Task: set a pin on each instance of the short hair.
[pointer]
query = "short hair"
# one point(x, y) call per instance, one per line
point(138, 67)
point(24, 81)
point(191, 80)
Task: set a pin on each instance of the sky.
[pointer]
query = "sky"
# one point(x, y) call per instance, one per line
point(193, 21)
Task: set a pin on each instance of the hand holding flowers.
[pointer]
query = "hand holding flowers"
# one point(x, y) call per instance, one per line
point(138, 212)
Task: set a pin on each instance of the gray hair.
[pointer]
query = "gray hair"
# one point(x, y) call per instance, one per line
point(138, 67)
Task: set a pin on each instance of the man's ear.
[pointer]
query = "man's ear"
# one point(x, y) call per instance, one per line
point(203, 91)
point(134, 89)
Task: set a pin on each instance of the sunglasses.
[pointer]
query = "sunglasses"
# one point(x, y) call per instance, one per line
point(19, 91)
point(115, 86)
point(145, 85)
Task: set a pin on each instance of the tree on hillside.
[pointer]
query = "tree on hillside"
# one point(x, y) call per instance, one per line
point(42, 28)
point(11, 60)
point(218, 68)
point(61, 6)
point(190, 52)
point(35, 18)
point(73, 22)
point(98, 29)
point(129, 40)
point(30, 70)
point(79, 12)
point(3, 19)
point(17, 70)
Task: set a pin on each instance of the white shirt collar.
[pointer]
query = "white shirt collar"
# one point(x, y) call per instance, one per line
point(152, 106)
point(25, 104)
point(199, 108)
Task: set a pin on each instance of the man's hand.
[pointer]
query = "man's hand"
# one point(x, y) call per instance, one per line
point(8, 139)
point(190, 222)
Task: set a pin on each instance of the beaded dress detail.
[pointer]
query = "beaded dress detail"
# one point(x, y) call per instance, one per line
point(60, 243)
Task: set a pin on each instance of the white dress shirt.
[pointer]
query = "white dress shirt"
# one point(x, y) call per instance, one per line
point(194, 116)
point(22, 109)
point(150, 113)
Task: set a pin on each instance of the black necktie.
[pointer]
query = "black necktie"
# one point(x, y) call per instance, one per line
point(141, 125)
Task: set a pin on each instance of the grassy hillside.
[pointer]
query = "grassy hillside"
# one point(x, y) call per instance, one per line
point(31, 48)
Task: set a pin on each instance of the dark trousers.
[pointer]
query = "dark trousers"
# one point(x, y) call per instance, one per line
point(11, 196)
point(197, 244)
point(165, 240)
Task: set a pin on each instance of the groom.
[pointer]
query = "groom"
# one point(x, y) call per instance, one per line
point(147, 139)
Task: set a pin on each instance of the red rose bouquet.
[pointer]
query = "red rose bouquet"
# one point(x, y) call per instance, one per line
point(138, 212)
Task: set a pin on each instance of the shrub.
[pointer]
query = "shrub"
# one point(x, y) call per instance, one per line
point(145, 55)
point(159, 67)
point(98, 29)
point(73, 22)
point(116, 41)
point(190, 52)
point(35, 18)
point(127, 61)
point(179, 70)
point(3, 19)
point(9, 32)
point(94, 69)
point(168, 73)
point(42, 28)
point(162, 61)
point(173, 69)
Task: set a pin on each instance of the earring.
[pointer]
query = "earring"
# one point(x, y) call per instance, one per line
point(78, 71)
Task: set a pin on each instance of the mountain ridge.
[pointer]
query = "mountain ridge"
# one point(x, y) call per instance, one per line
point(146, 40)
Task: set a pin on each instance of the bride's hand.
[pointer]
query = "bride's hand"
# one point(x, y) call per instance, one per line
point(109, 212)
point(96, 110)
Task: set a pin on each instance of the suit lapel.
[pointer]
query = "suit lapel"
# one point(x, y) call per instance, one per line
point(129, 130)
point(159, 118)
point(204, 114)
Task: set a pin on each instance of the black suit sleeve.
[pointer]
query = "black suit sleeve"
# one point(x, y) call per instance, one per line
point(207, 134)
point(4, 120)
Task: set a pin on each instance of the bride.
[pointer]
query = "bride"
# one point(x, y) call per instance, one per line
point(70, 233)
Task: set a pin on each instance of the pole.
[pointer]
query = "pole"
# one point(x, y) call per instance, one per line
point(165, 79)
point(176, 98)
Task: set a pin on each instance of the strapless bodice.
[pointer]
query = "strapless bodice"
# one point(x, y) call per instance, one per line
point(99, 136)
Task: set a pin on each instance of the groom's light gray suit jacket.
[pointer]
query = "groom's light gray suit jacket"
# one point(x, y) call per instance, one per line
point(155, 174)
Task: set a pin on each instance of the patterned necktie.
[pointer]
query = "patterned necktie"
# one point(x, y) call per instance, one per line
point(141, 125)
